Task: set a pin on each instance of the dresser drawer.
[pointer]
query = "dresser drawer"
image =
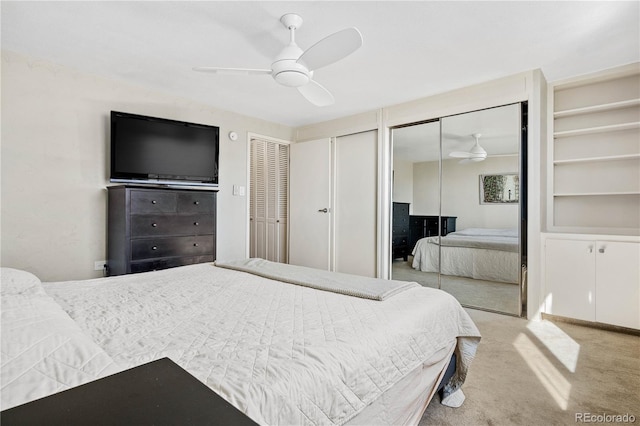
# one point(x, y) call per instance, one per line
point(172, 262)
point(149, 248)
point(195, 202)
point(160, 225)
point(153, 202)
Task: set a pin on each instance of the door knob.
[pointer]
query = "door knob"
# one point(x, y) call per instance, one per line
point(325, 210)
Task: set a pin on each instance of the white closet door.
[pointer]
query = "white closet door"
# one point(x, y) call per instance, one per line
point(258, 201)
point(271, 239)
point(269, 174)
point(282, 203)
point(356, 203)
point(310, 203)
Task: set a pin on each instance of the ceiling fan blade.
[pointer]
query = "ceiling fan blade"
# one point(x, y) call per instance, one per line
point(316, 94)
point(460, 154)
point(331, 48)
point(233, 71)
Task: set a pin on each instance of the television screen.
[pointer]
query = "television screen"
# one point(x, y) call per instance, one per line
point(156, 150)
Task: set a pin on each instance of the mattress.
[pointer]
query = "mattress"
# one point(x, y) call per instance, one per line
point(281, 353)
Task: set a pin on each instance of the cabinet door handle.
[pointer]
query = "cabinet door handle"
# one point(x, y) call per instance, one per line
point(154, 202)
point(154, 248)
point(196, 202)
point(601, 250)
point(154, 225)
point(590, 249)
point(325, 210)
point(195, 224)
point(195, 244)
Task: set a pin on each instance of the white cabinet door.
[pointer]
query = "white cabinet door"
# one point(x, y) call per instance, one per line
point(571, 278)
point(310, 203)
point(618, 283)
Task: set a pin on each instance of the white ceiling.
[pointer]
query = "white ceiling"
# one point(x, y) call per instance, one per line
point(411, 49)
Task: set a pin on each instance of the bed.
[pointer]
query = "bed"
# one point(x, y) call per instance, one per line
point(282, 352)
point(478, 253)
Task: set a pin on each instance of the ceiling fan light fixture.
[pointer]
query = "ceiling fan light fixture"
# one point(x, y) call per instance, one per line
point(292, 78)
point(289, 73)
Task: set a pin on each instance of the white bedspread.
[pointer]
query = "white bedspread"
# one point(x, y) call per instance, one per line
point(282, 353)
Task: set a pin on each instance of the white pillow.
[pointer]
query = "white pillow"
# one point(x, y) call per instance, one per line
point(16, 281)
point(43, 350)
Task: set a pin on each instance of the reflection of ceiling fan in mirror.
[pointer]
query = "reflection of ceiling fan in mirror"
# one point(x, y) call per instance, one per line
point(294, 67)
point(476, 153)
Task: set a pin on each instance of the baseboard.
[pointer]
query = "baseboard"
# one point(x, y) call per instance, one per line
point(592, 324)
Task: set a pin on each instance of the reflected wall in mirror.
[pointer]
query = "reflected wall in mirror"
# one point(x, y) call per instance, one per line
point(456, 241)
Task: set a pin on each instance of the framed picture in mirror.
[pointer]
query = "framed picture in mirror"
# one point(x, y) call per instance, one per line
point(503, 188)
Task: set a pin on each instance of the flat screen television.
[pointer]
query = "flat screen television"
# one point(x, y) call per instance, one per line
point(159, 151)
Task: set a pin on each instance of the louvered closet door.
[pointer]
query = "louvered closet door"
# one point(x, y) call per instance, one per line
point(268, 200)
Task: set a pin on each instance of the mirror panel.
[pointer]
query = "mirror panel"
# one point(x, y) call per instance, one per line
point(463, 206)
point(416, 201)
point(480, 261)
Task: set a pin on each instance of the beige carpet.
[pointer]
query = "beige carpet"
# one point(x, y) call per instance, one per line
point(544, 373)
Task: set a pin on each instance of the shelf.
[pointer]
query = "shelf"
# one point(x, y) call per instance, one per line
point(593, 160)
point(594, 194)
point(597, 108)
point(599, 129)
point(597, 159)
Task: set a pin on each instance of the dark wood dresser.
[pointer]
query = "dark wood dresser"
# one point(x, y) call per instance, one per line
point(400, 231)
point(153, 228)
point(427, 226)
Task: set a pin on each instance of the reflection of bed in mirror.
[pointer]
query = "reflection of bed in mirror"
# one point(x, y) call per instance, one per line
point(479, 253)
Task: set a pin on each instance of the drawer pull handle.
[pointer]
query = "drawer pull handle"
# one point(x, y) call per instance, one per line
point(154, 225)
point(196, 223)
point(195, 244)
point(601, 250)
point(154, 202)
point(196, 202)
point(154, 248)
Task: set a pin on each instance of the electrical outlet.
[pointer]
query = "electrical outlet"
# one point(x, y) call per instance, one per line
point(99, 265)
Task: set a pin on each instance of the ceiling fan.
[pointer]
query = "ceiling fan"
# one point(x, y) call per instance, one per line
point(476, 153)
point(294, 67)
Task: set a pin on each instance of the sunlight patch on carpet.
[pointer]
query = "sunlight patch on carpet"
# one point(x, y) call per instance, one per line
point(553, 381)
point(559, 343)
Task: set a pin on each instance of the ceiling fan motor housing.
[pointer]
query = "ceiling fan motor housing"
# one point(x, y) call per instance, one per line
point(286, 70)
point(290, 73)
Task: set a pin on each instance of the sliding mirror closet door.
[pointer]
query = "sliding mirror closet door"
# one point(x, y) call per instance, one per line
point(480, 246)
point(416, 203)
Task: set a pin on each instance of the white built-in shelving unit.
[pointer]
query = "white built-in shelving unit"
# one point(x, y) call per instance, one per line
point(592, 244)
point(594, 154)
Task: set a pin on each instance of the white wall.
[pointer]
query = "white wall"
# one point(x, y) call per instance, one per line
point(403, 182)
point(460, 192)
point(55, 145)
